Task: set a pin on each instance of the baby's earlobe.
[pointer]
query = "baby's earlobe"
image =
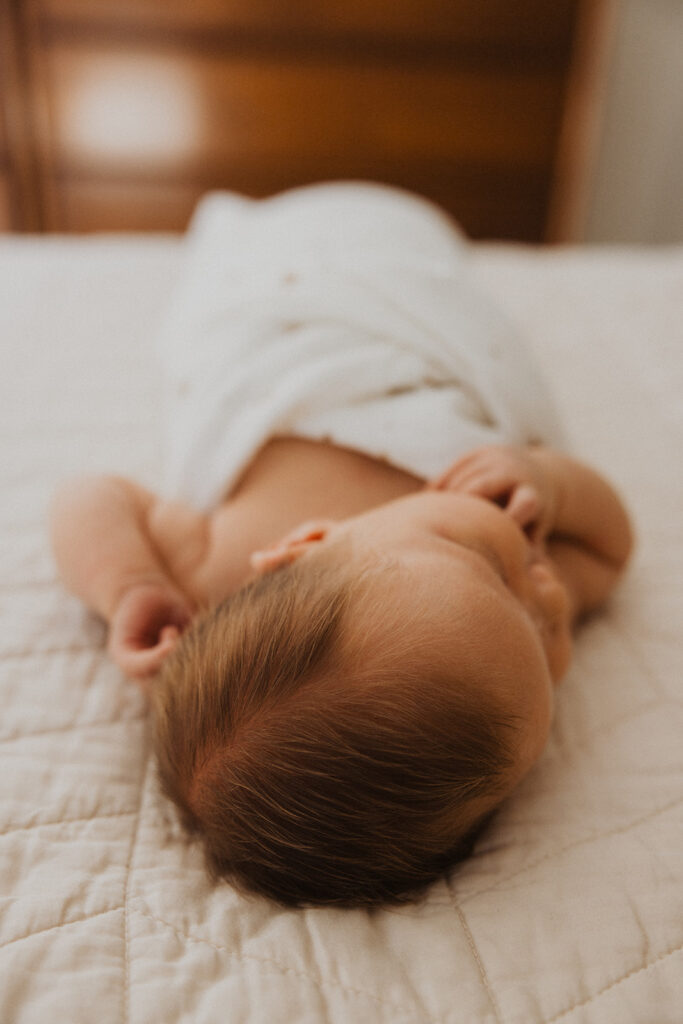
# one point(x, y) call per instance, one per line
point(270, 558)
point(292, 545)
point(310, 531)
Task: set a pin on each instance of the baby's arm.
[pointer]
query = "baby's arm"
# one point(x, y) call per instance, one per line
point(105, 534)
point(559, 502)
point(590, 538)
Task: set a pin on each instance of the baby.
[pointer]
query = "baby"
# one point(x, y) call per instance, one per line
point(351, 660)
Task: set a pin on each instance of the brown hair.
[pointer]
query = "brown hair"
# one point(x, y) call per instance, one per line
point(311, 779)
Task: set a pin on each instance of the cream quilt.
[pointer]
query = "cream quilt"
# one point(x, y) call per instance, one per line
point(570, 910)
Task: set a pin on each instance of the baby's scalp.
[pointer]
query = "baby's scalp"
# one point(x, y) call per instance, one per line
point(315, 774)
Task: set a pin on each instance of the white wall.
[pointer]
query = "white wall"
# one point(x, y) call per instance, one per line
point(636, 192)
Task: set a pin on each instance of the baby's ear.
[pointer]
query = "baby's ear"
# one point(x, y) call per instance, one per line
point(294, 544)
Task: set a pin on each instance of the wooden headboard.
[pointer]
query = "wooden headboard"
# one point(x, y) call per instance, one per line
point(118, 114)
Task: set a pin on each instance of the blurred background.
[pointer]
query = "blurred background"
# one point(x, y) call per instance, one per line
point(538, 120)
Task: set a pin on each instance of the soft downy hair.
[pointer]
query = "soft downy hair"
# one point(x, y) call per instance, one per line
point(312, 776)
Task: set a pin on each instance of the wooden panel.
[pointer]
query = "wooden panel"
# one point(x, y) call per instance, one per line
point(505, 207)
point(101, 205)
point(506, 27)
point(3, 115)
point(8, 115)
point(5, 223)
point(21, 191)
point(583, 123)
point(5, 187)
point(200, 121)
point(196, 114)
point(138, 106)
point(5, 204)
point(4, 152)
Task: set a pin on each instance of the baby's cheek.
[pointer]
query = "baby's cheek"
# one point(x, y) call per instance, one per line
point(534, 733)
point(553, 616)
point(560, 651)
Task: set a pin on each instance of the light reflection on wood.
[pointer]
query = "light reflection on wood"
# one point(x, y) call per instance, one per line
point(140, 108)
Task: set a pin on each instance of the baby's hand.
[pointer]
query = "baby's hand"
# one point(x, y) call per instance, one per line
point(512, 478)
point(145, 627)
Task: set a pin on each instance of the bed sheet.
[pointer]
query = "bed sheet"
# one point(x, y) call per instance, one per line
point(570, 909)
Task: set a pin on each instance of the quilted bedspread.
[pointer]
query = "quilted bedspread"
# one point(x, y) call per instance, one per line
point(570, 911)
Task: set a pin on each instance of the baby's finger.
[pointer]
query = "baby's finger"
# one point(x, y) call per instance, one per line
point(524, 505)
point(455, 477)
point(495, 486)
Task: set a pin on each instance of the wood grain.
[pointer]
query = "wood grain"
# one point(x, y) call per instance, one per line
point(138, 107)
point(20, 191)
point(471, 26)
point(203, 109)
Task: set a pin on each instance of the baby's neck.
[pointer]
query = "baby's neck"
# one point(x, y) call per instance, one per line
point(290, 481)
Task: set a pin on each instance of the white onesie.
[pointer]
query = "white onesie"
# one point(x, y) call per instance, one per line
point(342, 312)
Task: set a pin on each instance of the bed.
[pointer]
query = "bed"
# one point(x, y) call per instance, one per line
point(570, 910)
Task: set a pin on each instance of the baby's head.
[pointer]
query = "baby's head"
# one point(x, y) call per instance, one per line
point(339, 729)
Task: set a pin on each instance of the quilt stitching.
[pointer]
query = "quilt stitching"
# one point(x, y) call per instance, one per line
point(608, 727)
point(129, 864)
point(320, 984)
point(613, 984)
point(633, 647)
point(65, 821)
point(477, 959)
point(43, 652)
point(56, 730)
point(571, 846)
point(12, 586)
point(61, 924)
